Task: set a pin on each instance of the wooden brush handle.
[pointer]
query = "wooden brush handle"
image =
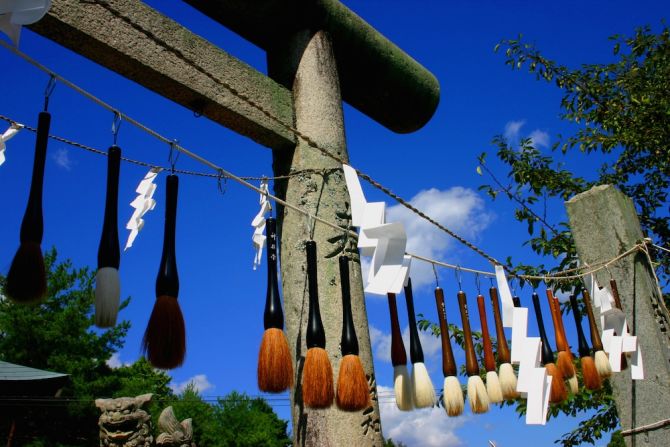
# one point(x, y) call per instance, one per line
point(615, 294)
point(398, 354)
point(448, 362)
point(415, 350)
point(273, 317)
point(547, 352)
point(595, 334)
point(109, 254)
point(349, 342)
point(316, 336)
point(167, 282)
point(489, 360)
point(504, 354)
point(561, 341)
point(32, 226)
point(471, 366)
point(584, 349)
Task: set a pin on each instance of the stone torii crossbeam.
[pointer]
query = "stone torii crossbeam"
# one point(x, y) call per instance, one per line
point(319, 53)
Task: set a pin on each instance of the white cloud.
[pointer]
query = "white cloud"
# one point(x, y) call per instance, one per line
point(199, 381)
point(428, 427)
point(116, 362)
point(62, 159)
point(539, 138)
point(381, 343)
point(512, 129)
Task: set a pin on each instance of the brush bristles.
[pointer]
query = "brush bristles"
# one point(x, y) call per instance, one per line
point(317, 379)
point(590, 373)
point(479, 399)
point(353, 392)
point(565, 365)
point(603, 365)
point(403, 388)
point(107, 297)
point(493, 388)
point(164, 340)
point(26, 281)
point(275, 370)
point(558, 391)
point(453, 396)
point(508, 381)
point(423, 392)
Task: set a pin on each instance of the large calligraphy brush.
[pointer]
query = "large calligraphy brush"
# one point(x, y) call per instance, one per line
point(564, 360)
point(453, 394)
point(423, 392)
point(558, 391)
point(506, 371)
point(401, 382)
point(477, 395)
point(493, 387)
point(601, 359)
point(590, 374)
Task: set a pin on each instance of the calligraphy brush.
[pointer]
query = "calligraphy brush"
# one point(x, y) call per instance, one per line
point(453, 394)
point(275, 370)
point(317, 374)
point(479, 399)
point(401, 381)
point(564, 360)
point(589, 372)
point(601, 359)
point(493, 387)
point(558, 391)
point(617, 303)
point(423, 392)
point(165, 339)
point(353, 392)
point(506, 371)
point(26, 281)
point(107, 284)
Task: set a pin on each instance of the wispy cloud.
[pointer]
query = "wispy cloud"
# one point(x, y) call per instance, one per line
point(62, 159)
point(512, 130)
point(199, 381)
point(539, 138)
point(381, 343)
point(116, 362)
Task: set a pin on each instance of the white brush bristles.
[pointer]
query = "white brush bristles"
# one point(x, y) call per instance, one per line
point(573, 384)
point(507, 381)
point(402, 388)
point(453, 396)
point(423, 392)
point(603, 364)
point(493, 388)
point(107, 296)
point(479, 400)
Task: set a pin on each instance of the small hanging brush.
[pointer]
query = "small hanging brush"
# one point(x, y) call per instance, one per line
point(423, 392)
point(564, 360)
point(493, 387)
point(517, 301)
point(353, 392)
point(558, 391)
point(401, 381)
point(275, 370)
point(617, 303)
point(453, 394)
point(107, 284)
point(317, 374)
point(506, 371)
point(590, 374)
point(601, 359)
point(165, 337)
point(479, 399)
point(26, 281)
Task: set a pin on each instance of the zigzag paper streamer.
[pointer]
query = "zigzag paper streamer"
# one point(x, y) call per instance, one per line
point(14, 14)
point(9, 133)
point(505, 297)
point(258, 238)
point(143, 203)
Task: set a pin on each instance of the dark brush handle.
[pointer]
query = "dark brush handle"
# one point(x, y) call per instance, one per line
point(398, 353)
point(517, 301)
point(547, 352)
point(316, 336)
point(32, 226)
point(349, 342)
point(595, 335)
point(561, 341)
point(109, 254)
point(471, 366)
point(504, 354)
point(415, 350)
point(489, 360)
point(448, 362)
point(584, 349)
point(615, 294)
point(273, 317)
point(167, 282)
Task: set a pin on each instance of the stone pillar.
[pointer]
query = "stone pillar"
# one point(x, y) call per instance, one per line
point(304, 62)
point(604, 224)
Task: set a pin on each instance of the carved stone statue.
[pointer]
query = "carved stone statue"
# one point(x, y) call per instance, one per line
point(174, 433)
point(124, 423)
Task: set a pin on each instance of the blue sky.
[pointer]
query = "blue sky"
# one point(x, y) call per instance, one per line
point(221, 296)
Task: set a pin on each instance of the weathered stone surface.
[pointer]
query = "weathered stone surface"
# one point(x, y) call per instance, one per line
point(124, 422)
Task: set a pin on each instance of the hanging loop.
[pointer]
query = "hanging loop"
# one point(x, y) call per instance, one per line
point(478, 283)
point(173, 155)
point(437, 282)
point(116, 125)
point(310, 225)
point(51, 85)
point(457, 273)
point(221, 182)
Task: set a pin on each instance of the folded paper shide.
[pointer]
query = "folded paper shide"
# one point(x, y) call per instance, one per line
point(16, 13)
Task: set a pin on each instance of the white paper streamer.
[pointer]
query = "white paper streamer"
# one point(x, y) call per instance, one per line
point(505, 297)
point(9, 133)
point(258, 238)
point(143, 203)
point(15, 13)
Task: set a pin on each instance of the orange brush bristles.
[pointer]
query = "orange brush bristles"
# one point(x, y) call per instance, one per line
point(275, 370)
point(558, 391)
point(353, 393)
point(26, 280)
point(317, 379)
point(590, 374)
point(565, 365)
point(164, 340)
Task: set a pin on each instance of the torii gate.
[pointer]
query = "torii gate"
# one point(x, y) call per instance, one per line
point(319, 53)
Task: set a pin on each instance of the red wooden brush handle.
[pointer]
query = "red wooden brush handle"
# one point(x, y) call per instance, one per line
point(561, 342)
point(489, 360)
point(615, 294)
point(448, 362)
point(595, 334)
point(471, 366)
point(398, 354)
point(504, 354)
